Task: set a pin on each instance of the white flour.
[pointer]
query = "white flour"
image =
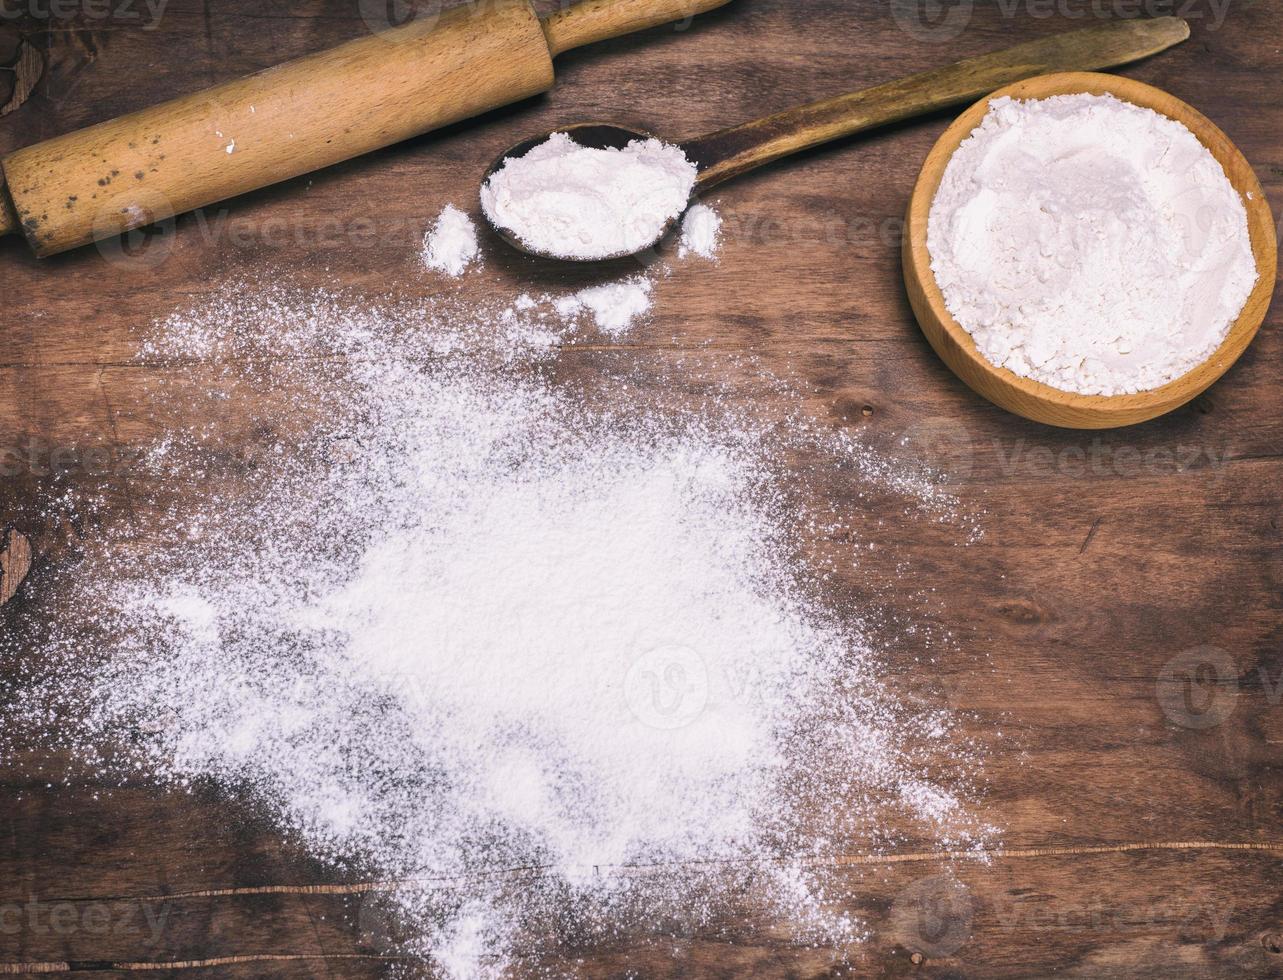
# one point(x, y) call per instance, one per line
point(700, 230)
point(613, 306)
point(451, 245)
point(574, 202)
point(1090, 244)
point(463, 624)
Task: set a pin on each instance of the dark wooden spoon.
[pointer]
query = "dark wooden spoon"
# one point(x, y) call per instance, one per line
point(731, 152)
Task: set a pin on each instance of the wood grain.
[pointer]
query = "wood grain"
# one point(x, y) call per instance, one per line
point(1106, 558)
point(15, 563)
point(590, 21)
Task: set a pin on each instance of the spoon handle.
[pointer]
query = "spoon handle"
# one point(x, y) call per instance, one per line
point(735, 151)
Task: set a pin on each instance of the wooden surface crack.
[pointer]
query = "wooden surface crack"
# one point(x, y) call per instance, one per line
point(846, 860)
point(1090, 534)
point(358, 888)
point(96, 966)
point(15, 562)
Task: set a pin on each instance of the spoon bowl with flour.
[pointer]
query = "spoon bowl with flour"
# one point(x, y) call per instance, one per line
point(588, 192)
point(597, 191)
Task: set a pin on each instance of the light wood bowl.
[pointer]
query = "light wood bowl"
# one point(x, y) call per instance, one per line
point(1033, 399)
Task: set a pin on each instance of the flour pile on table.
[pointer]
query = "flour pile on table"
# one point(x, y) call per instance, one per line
point(701, 228)
point(549, 666)
point(451, 245)
point(614, 306)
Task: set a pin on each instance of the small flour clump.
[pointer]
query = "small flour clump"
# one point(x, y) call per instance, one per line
point(576, 202)
point(614, 306)
point(700, 230)
point(1090, 244)
point(451, 245)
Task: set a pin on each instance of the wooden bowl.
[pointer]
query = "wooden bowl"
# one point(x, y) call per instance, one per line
point(1038, 401)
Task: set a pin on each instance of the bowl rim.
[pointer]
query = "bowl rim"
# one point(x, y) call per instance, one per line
point(1040, 401)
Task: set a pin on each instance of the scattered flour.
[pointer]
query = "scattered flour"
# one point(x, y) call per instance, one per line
point(1090, 244)
point(551, 666)
point(575, 202)
point(700, 230)
point(451, 245)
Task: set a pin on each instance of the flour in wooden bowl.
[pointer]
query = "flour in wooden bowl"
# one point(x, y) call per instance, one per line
point(1090, 244)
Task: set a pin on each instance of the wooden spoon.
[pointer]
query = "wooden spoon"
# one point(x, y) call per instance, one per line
point(731, 152)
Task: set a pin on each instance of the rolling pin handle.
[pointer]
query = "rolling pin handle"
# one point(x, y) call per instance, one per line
point(8, 216)
point(599, 20)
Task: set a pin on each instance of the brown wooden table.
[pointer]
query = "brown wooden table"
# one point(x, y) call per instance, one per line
point(1116, 634)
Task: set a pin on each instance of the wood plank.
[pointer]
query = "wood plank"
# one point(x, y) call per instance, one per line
point(1104, 556)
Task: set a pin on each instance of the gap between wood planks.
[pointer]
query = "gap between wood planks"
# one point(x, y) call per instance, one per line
point(15, 561)
point(994, 854)
point(95, 966)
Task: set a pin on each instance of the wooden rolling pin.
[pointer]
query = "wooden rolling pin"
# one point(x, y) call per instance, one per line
point(301, 116)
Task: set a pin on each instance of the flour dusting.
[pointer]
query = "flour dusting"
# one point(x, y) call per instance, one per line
point(549, 664)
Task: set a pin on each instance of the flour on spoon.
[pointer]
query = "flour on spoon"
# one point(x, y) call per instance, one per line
point(578, 202)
